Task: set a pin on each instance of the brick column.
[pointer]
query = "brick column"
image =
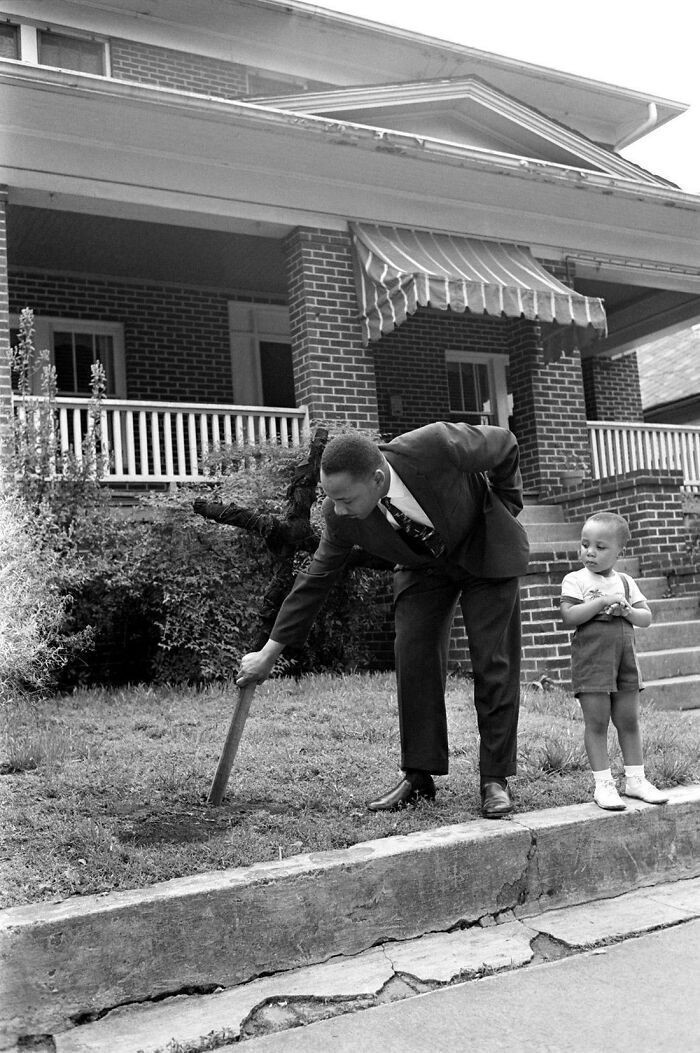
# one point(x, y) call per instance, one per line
point(612, 389)
point(5, 377)
point(549, 413)
point(333, 372)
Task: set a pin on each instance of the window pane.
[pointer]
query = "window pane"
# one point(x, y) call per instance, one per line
point(277, 374)
point(84, 357)
point(470, 394)
point(63, 361)
point(454, 387)
point(104, 353)
point(9, 41)
point(58, 49)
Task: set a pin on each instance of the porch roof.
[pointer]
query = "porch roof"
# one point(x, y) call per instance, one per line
point(397, 270)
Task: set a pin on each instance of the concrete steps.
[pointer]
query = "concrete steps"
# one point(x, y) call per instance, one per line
point(669, 650)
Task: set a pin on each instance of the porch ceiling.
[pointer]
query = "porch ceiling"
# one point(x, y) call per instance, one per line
point(42, 238)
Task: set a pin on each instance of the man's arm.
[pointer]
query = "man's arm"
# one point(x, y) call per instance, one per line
point(486, 448)
point(300, 608)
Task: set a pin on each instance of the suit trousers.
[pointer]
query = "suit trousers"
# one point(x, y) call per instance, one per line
point(424, 608)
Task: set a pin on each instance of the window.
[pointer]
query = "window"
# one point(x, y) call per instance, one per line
point(261, 355)
point(477, 387)
point(9, 41)
point(74, 347)
point(70, 52)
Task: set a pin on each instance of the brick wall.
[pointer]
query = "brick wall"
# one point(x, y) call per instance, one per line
point(333, 372)
point(549, 413)
point(612, 390)
point(183, 71)
point(176, 338)
point(410, 364)
point(146, 64)
point(651, 502)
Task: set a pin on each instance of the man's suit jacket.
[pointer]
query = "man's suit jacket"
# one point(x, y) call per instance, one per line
point(467, 480)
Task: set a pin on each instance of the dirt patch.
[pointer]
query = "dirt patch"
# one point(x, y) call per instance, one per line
point(185, 826)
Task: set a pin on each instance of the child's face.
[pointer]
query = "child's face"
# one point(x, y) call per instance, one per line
point(600, 547)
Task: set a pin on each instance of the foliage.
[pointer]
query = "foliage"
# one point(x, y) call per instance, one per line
point(33, 611)
point(172, 597)
point(156, 594)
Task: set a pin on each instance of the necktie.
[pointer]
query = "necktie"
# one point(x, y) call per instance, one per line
point(426, 536)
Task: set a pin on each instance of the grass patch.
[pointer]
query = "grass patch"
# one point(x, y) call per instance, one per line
point(106, 789)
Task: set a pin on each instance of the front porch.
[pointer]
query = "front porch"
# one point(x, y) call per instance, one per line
point(148, 442)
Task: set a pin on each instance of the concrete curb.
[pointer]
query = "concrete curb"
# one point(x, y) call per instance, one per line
point(66, 963)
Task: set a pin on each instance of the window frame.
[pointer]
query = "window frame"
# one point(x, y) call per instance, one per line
point(46, 325)
point(498, 382)
point(29, 44)
point(250, 325)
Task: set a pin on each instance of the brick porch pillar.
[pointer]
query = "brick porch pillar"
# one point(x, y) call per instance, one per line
point(549, 411)
point(612, 388)
point(333, 372)
point(5, 376)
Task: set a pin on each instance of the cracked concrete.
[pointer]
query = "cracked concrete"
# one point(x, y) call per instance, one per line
point(384, 974)
point(84, 958)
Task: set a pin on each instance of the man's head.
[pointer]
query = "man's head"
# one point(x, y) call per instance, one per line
point(354, 474)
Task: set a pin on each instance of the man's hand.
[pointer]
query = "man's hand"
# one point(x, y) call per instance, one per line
point(257, 666)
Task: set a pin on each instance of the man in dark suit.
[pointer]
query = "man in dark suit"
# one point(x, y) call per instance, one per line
point(441, 504)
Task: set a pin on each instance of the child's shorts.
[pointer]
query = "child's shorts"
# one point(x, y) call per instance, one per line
point(603, 658)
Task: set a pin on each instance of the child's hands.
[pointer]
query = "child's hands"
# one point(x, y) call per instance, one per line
point(616, 605)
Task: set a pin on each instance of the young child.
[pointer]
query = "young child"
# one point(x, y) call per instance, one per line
point(603, 606)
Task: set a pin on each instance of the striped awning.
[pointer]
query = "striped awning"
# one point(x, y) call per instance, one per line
point(398, 270)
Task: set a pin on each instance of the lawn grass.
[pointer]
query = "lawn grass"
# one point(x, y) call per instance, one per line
point(106, 789)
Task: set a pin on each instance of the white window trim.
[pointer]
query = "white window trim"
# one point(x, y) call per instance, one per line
point(29, 43)
point(45, 327)
point(497, 379)
point(249, 326)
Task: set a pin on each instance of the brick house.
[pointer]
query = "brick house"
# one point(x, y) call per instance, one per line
point(258, 215)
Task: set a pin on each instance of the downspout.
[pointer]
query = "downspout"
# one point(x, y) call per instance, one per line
point(646, 126)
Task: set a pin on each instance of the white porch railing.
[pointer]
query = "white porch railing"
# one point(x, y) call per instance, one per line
point(165, 442)
point(618, 447)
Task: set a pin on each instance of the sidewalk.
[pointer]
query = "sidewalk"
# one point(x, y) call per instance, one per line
point(388, 975)
point(636, 996)
point(391, 918)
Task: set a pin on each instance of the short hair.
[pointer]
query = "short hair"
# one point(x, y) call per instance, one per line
point(616, 522)
point(351, 452)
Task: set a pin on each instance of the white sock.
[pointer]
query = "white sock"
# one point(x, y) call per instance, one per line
point(634, 771)
point(602, 776)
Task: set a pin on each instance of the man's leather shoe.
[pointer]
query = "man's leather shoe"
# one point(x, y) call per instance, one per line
point(496, 801)
point(409, 790)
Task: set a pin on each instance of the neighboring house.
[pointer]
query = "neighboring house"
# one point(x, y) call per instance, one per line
point(255, 213)
point(669, 378)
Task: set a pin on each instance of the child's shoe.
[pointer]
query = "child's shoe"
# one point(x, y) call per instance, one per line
point(643, 790)
point(606, 796)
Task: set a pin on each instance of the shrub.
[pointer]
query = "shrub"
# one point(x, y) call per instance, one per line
point(32, 612)
point(173, 597)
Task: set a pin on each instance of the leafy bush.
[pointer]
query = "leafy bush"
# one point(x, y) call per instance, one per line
point(158, 594)
point(172, 597)
point(32, 612)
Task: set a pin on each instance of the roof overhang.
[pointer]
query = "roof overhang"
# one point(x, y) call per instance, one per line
point(82, 143)
point(466, 102)
point(303, 40)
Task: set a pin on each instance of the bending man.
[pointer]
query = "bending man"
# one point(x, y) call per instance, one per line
point(441, 504)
